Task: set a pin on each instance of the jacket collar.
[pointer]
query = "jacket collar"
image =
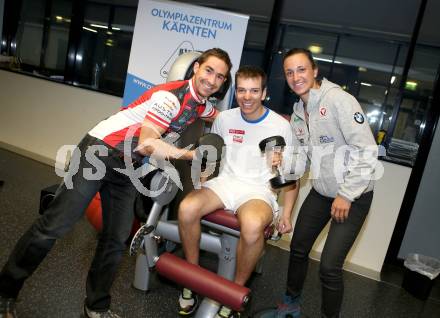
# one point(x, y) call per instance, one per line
point(193, 92)
point(315, 96)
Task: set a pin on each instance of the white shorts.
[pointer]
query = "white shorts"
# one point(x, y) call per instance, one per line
point(234, 193)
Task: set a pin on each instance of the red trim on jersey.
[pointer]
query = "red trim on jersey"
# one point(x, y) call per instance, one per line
point(118, 136)
point(210, 114)
point(147, 95)
point(193, 92)
point(157, 120)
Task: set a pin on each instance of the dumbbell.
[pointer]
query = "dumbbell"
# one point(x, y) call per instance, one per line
point(204, 144)
point(276, 144)
point(206, 162)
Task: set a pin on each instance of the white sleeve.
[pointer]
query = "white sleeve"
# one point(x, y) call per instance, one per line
point(163, 107)
point(363, 149)
point(216, 127)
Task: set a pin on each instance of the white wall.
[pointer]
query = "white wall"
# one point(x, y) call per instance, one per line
point(38, 116)
point(369, 250)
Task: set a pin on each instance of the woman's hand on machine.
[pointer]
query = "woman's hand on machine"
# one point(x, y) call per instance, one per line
point(284, 225)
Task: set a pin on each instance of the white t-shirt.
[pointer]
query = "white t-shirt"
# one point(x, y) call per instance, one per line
point(243, 159)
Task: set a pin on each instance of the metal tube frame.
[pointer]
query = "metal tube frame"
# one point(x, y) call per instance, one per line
point(224, 245)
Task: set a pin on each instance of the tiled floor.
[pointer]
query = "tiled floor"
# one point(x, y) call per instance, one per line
point(57, 288)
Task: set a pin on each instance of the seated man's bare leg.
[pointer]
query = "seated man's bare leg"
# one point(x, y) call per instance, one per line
point(194, 206)
point(253, 216)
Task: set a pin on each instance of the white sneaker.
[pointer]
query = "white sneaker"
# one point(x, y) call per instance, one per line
point(99, 314)
point(188, 302)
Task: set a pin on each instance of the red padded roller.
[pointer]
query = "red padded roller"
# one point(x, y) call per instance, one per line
point(203, 281)
point(229, 219)
point(224, 218)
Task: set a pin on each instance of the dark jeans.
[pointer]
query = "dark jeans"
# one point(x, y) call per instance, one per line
point(68, 206)
point(312, 218)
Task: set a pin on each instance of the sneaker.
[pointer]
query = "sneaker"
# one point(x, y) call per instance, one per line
point(289, 308)
point(338, 315)
point(188, 302)
point(88, 313)
point(225, 312)
point(7, 308)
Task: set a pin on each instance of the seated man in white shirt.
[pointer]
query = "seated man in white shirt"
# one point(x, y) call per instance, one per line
point(242, 185)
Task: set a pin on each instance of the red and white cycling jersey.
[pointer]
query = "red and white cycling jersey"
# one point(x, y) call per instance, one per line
point(127, 123)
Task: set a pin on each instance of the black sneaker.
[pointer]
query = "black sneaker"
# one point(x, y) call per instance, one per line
point(88, 313)
point(225, 312)
point(7, 308)
point(188, 302)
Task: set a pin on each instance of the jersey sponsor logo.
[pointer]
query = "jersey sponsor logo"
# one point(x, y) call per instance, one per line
point(237, 138)
point(299, 131)
point(359, 118)
point(160, 110)
point(323, 111)
point(323, 139)
point(236, 131)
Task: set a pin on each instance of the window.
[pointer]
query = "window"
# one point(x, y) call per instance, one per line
point(371, 70)
point(369, 75)
point(322, 45)
point(100, 39)
point(416, 100)
point(55, 47)
point(42, 37)
point(29, 37)
point(102, 56)
point(281, 98)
